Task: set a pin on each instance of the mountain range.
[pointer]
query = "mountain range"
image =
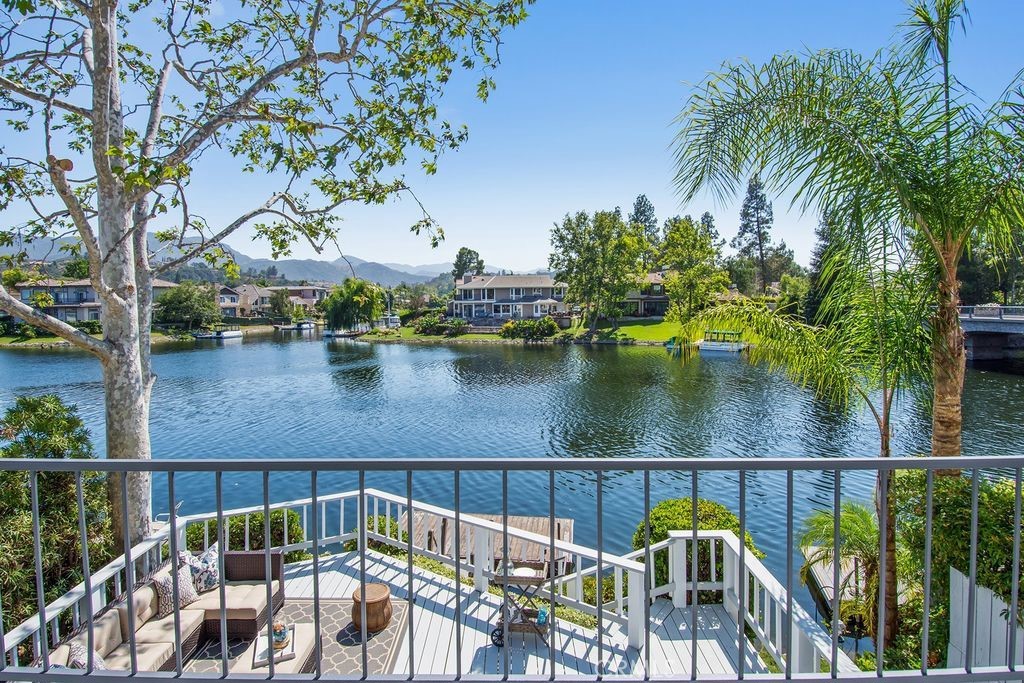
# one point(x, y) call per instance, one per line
point(314, 270)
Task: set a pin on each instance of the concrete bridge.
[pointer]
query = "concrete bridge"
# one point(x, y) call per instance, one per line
point(993, 332)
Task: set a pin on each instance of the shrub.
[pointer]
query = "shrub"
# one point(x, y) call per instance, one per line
point(455, 327)
point(381, 523)
point(90, 326)
point(951, 538)
point(26, 331)
point(407, 315)
point(529, 329)
point(44, 427)
point(676, 514)
point(431, 323)
point(194, 535)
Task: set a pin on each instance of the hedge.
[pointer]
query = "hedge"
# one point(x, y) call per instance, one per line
point(951, 538)
point(676, 514)
point(195, 536)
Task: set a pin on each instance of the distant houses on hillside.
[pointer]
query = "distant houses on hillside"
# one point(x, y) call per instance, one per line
point(73, 300)
point(538, 295)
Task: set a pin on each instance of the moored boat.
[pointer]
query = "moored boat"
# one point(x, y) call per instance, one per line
point(219, 331)
point(721, 342)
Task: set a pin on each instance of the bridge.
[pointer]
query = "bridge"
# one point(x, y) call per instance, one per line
point(993, 332)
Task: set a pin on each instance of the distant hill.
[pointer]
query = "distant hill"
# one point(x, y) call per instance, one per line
point(292, 269)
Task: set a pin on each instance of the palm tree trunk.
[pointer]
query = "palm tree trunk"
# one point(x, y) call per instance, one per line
point(949, 360)
point(891, 625)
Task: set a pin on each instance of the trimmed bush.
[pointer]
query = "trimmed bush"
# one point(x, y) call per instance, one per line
point(194, 535)
point(90, 326)
point(529, 329)
point(676, 514)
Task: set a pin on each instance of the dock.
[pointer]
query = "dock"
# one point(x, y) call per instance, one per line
point(851, 581)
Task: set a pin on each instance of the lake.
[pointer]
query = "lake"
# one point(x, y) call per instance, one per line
point(303, 397)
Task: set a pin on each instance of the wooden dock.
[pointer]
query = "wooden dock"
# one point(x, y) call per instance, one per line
point(851, 581)
point(435, 533)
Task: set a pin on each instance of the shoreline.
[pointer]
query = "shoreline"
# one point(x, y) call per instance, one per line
point(468, 339)
point(158, 338)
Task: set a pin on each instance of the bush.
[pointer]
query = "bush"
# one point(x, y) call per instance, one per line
point(44, 427)
point(951, 538)
point(89, 326)
point(455, 327)
point(676, 514)
point(194, 535)
point(26, 331)
point(429, 324)
point(381, 523)
point(529, 329)
point(407, 315)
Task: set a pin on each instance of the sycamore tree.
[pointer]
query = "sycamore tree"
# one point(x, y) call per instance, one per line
point(691, 253)
point(897, 125)
point(600, 259)
point(113, 107)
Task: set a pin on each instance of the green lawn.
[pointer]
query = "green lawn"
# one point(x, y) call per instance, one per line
point(638, 330)
point(38, 341)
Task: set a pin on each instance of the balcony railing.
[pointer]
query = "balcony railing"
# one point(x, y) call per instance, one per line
point(709, 573)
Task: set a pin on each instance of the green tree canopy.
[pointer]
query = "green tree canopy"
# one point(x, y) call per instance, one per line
point(754, 239)
point(599, 257)
point(643, 215)
point(191, 303)
point(76, 268)
point(44, 427)
point(280, 303)
point(691, 255)
point(355, 301)
point(467, 261)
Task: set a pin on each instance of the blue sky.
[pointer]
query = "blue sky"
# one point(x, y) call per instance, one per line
point(582, 118)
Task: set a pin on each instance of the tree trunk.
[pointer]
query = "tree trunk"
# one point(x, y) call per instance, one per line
point(891, 626)
point(949, 360)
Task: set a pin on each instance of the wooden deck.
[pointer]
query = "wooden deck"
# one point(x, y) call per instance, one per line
point(576, 648)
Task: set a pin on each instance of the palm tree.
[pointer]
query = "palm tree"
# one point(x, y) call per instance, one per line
point(858, 541)
point(876, 346)
point(895, 127)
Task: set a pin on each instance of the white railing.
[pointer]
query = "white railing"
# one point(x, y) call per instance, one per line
point(765, 612)
point(766, 608)
point(106, 585)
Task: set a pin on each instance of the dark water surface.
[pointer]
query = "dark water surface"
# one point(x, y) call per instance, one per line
point(303, 397)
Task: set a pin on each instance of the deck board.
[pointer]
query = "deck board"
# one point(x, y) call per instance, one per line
point(434, 625)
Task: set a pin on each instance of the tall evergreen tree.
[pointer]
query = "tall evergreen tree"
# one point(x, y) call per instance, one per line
point(467, 261)
point(820, 284)
point(753, 238)
point(643, 215)
point(707, 224)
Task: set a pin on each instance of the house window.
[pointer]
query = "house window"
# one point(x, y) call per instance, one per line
point(515, 292)
point(538, 290)
point(558, 291)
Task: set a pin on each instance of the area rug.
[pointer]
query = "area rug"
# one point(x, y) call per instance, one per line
point(342, 643)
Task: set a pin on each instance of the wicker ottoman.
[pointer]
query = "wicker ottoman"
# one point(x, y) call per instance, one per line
point(378, 607)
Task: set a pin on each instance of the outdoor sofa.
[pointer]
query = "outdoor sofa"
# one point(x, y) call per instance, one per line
point(246, 612)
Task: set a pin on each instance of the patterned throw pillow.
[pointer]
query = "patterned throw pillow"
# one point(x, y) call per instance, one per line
point(78, 657)
point(164, 585)
point(204, 569)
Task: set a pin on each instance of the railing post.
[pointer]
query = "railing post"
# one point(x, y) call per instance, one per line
point(481, 558)
point(636, 623)
point(677, 549)
point(180, 533)
point(730, 580)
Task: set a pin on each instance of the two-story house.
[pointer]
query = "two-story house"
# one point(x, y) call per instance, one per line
point(507, 296)
point(650, 299)
point(253, 300)
point(306, 296)
point(228, 300)
point(74, 300)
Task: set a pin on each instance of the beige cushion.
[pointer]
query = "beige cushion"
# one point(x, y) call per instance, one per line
point(59, 655)
point(245, 599)
point(149, 656)
point(106, 634)
point(161, 629)
point(146, 604)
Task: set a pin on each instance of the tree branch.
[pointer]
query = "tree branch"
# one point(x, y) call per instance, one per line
point(19, 309)
point(44, 99)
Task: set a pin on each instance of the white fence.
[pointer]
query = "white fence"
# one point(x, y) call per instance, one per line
point(991, 626)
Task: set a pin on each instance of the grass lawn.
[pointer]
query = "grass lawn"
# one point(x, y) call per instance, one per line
point(639, 330)
point(41, 341)
point(408, 332)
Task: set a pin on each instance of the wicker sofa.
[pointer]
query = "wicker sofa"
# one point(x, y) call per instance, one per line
point(246, 612)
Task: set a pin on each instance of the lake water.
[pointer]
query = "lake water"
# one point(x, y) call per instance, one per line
point(303, 397)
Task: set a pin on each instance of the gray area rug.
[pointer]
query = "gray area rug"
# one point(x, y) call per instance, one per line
point(342, 643)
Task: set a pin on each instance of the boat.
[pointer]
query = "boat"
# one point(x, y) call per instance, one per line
point(219, 331)
point(339, 334)
point(721, 342)
point(302, 325)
